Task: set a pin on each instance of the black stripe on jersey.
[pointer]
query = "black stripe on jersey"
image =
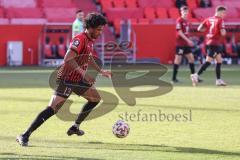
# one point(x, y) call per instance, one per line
point(71, 76)
point(75, 76)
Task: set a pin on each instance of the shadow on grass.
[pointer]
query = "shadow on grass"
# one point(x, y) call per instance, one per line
point(40, 157)
point(147, 147)
point(94, 145)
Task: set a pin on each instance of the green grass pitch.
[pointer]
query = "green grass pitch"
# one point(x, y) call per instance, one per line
point(212, 133)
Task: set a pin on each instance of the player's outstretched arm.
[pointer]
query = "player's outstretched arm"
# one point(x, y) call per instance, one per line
point(201, 28)
point(71, 63)
point(104, 73)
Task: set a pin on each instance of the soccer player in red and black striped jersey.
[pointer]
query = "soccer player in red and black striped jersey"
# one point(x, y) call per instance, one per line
point(215, 29)
point(73, 72)
point(184, 44)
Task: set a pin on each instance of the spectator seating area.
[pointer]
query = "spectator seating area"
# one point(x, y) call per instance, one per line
point(158, 11)
point(46, 11)
point(136, 11)
point(165, 11)
point(42, 11)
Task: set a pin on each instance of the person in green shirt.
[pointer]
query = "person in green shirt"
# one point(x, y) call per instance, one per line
point(77, 26)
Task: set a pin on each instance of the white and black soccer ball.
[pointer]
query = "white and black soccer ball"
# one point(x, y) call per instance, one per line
point(120, 129)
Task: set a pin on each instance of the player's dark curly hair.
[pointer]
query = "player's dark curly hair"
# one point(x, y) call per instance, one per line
point(93, 20)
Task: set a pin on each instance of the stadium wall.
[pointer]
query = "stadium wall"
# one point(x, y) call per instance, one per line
point(155, 41)
point(152, 41)
point(28, 34)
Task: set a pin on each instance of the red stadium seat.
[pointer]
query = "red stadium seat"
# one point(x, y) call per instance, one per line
point(87, 6)
point(149, 13)
point(165, 4)
point(156, 3)
point(134, 21)
point(145, 3)
point(60, 14)
point(47, 50)
point(24, 13)
point(190, 15)
point(124, 13)
point(131, 3)
point(232, 13)
point(161, 13)
point(202, 13)
point(118, 3)
point(214, 2)
point(61, 50)
point(57, 3)
point(117, 24)
point(106, 4)
point(143, 21)
point(18, 3)
point(173, 13)
point(1, 13)
point(192, 4)
point(229, 51)
point(231, 4)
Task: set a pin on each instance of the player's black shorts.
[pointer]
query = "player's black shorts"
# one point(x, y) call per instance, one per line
point(183, 50)
point(213, 50)
point(64, 89)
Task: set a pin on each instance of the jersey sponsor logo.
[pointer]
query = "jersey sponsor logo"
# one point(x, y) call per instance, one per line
point(76, 43)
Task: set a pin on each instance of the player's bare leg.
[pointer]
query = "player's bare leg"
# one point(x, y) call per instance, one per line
point(54, 105)
point(177, 61)
point(93, 98)
point(219, 81)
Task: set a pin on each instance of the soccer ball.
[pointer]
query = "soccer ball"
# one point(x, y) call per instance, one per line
point(120, 129)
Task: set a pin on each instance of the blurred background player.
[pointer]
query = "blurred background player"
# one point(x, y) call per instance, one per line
point(215, 29)
point(73, 72)
point(77, 26)
point(184, 44)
